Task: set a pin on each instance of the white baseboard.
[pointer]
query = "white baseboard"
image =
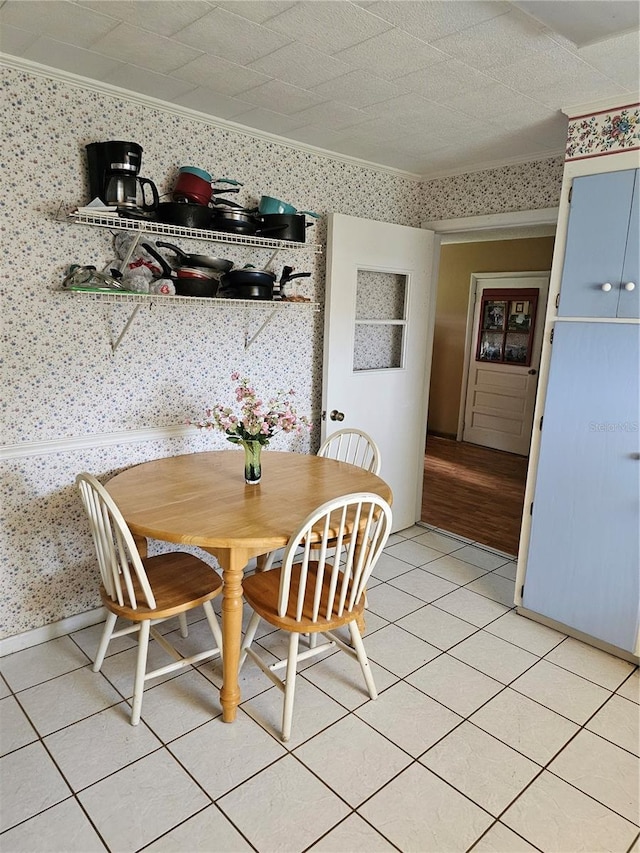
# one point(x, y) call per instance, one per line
point(17, 642)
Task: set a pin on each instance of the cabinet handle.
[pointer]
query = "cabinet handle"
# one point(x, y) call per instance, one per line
point(606, 287)
point(630, 285)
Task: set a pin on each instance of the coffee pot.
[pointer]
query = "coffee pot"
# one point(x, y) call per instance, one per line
point(114, 168)
point(127, 192)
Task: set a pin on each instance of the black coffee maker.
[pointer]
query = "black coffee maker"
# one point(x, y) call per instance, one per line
point(114, 178)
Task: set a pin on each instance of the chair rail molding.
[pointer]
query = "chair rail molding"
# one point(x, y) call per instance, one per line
point(105, 439)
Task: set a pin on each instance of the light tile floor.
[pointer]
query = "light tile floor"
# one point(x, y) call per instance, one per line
point(491, 733)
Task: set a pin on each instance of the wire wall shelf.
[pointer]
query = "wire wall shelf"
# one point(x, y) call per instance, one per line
point(152, 299)
point(121, 223)
point(166, 299)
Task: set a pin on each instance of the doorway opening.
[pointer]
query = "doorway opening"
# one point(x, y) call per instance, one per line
point(470, 490)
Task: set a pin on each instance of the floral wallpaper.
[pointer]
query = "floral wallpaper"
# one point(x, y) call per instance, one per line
point(606, 132)
point(525, 186)
point(60, 378)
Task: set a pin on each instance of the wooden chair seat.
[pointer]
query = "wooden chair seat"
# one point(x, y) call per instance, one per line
point(179, 581)
point(262, 590)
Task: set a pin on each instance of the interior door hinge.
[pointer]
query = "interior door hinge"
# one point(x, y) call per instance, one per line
point(324, 415)
point(531, 509)
point(522, 591)
point(570, 194)
point(557, 301)
point(551, 336)
point(541, 419)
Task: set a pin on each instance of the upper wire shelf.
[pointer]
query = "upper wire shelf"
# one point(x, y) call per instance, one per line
point(122, 223)
point(166, 299)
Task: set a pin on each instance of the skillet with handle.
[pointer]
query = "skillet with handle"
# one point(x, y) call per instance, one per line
point(187, 260)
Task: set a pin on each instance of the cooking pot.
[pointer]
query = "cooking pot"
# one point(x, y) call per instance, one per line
point(198, 189)
point(229, 216)
point(206, 261)
point(192, 188)
point(285, 226)
point(186, 214)
point(247, 291)
point(247, 283)
point(188, 281)
point(269, 204)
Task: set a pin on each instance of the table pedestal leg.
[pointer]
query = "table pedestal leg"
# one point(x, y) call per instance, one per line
point(141, 545)
point(232, 562)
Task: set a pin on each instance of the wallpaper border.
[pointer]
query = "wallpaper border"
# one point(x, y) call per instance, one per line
point(598, 134)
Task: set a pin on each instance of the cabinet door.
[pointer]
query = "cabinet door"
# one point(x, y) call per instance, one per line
point(583, 562)
point(596, 242)
point(629, 300)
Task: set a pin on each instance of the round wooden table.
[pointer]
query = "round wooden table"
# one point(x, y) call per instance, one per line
point(202, 499)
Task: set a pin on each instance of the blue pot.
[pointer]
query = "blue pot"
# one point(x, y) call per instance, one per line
point(268, 204)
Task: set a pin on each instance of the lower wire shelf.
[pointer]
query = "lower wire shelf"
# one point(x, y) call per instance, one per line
point(140, 299)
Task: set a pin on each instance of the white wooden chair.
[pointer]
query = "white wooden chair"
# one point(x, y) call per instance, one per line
point(145, 591)
point(353, 446)
point(346, 445)
point(317, 596)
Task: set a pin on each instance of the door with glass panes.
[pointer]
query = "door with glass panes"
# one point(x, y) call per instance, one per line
point(378, 334)
point(503, 359)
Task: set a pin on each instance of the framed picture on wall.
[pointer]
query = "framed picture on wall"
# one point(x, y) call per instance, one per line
point(519, 309)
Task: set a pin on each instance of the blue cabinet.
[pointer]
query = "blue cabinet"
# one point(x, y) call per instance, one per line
point(583, 565)
point(602, 255)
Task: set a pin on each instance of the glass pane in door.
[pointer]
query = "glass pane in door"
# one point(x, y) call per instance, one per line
point(380, 295)
point(381, 299)
point(377, 347)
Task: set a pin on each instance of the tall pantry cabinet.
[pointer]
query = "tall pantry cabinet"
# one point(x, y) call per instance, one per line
point(579, 561)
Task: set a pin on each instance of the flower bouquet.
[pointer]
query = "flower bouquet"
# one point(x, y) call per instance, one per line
point(256, 423)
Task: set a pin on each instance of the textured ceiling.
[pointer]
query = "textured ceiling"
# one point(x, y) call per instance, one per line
point(425, 87)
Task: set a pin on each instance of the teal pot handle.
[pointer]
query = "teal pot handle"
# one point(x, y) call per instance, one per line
point(310, 213)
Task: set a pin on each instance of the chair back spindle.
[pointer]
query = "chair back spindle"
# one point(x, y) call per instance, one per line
point(328, 578)
point(121, 569)
point(353, 446)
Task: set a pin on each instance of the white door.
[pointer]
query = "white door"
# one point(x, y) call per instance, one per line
point(503, 358)
point(378, 334)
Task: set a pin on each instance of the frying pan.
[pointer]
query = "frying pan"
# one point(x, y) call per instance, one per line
point(187, 280)
point(237, 219)
point(186, 260)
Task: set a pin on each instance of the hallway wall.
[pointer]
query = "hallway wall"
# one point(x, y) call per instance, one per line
point(457, 262)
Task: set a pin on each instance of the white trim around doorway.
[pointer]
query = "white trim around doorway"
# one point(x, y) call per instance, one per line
point(518, 224)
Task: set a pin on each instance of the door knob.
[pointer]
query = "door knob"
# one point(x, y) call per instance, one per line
point(336, 415)
point(606, 287)
point(630, 285)
point(532, 372)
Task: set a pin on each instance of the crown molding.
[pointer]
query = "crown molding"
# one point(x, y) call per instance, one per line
point(110, 90)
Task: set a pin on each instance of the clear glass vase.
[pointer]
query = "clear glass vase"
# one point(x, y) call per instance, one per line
point(252, 462)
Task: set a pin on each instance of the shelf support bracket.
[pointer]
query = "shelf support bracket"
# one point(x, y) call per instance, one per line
point(249, 340)
point(114, 346)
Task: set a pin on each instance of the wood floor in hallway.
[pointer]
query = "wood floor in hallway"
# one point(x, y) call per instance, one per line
point(474, 491)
